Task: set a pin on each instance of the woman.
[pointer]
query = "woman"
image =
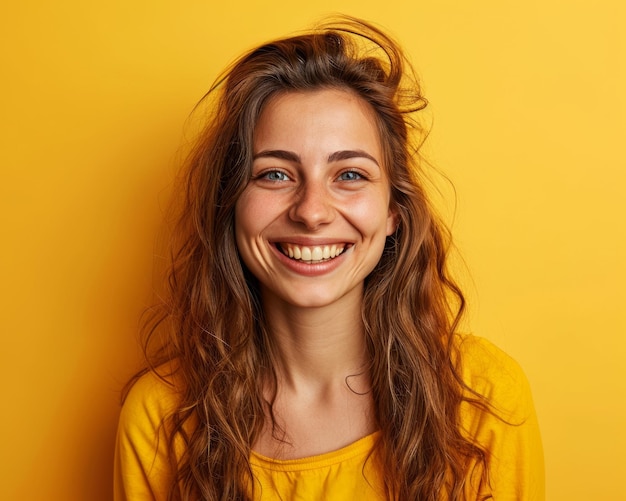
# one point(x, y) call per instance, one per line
point(309, 337)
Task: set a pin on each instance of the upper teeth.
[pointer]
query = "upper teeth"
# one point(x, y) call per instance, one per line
point(317, 253)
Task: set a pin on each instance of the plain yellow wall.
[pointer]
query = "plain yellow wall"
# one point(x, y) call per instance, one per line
point(529, 123)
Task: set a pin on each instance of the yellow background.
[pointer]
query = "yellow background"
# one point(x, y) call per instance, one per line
point(529, 109)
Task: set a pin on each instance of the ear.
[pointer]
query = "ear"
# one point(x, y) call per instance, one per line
point(393, 220)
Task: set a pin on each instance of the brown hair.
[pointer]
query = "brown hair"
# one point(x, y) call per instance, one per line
point(212, 319)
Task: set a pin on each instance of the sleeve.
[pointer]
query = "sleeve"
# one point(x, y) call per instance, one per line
point(509, 431)
point(141, 466)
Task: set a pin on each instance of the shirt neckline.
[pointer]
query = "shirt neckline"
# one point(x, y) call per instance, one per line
point(360, 447)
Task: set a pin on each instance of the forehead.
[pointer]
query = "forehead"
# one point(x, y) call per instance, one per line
point(324, 118)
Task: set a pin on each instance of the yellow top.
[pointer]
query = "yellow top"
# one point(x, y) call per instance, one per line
point(516, 459)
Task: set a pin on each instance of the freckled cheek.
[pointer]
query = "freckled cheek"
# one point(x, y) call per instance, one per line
point(253, 214)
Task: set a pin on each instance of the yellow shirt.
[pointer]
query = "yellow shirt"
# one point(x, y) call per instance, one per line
point(516, 459)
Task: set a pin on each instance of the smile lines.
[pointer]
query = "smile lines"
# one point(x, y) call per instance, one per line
point(316, 254)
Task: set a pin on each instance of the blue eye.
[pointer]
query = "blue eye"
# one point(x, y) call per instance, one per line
point(350, 175)
point(275, 175)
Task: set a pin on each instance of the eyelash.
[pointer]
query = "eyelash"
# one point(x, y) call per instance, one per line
point(359, 176)
point(269, 175)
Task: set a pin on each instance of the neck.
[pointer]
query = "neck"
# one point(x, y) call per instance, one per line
point(317, 347)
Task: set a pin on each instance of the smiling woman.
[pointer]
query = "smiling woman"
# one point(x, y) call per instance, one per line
point(310, 333)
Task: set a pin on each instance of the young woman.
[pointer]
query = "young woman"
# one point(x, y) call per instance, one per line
point(309, 337)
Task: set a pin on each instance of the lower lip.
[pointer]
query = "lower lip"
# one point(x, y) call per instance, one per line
point(310, 270)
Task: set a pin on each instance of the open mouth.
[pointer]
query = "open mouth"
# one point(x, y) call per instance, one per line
point(315, 254)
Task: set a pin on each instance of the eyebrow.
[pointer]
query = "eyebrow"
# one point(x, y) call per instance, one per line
point(333, 157)
point(281, 154)
point(348, 154)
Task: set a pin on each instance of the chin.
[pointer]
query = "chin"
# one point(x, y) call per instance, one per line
point(319, 298)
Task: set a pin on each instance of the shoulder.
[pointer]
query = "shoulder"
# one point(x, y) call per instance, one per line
point(481, 357)
point(494, 375)
point(498, 414)
point(150, 399)
point(142, 462)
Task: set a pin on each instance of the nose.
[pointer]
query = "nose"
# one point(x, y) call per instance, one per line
point(312, 206)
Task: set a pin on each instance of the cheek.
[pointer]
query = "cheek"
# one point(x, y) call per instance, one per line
point(256, 213)
point(253, 212)
point(373, 215)
point(242, 223)
point(245, 207)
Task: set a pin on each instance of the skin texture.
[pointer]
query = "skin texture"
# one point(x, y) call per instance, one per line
point(317, 180)
point(300, 194)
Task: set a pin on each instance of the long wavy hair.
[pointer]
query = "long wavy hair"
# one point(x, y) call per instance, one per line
point(210, 327)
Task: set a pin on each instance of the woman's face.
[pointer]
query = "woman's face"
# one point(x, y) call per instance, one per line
point(312, 222)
